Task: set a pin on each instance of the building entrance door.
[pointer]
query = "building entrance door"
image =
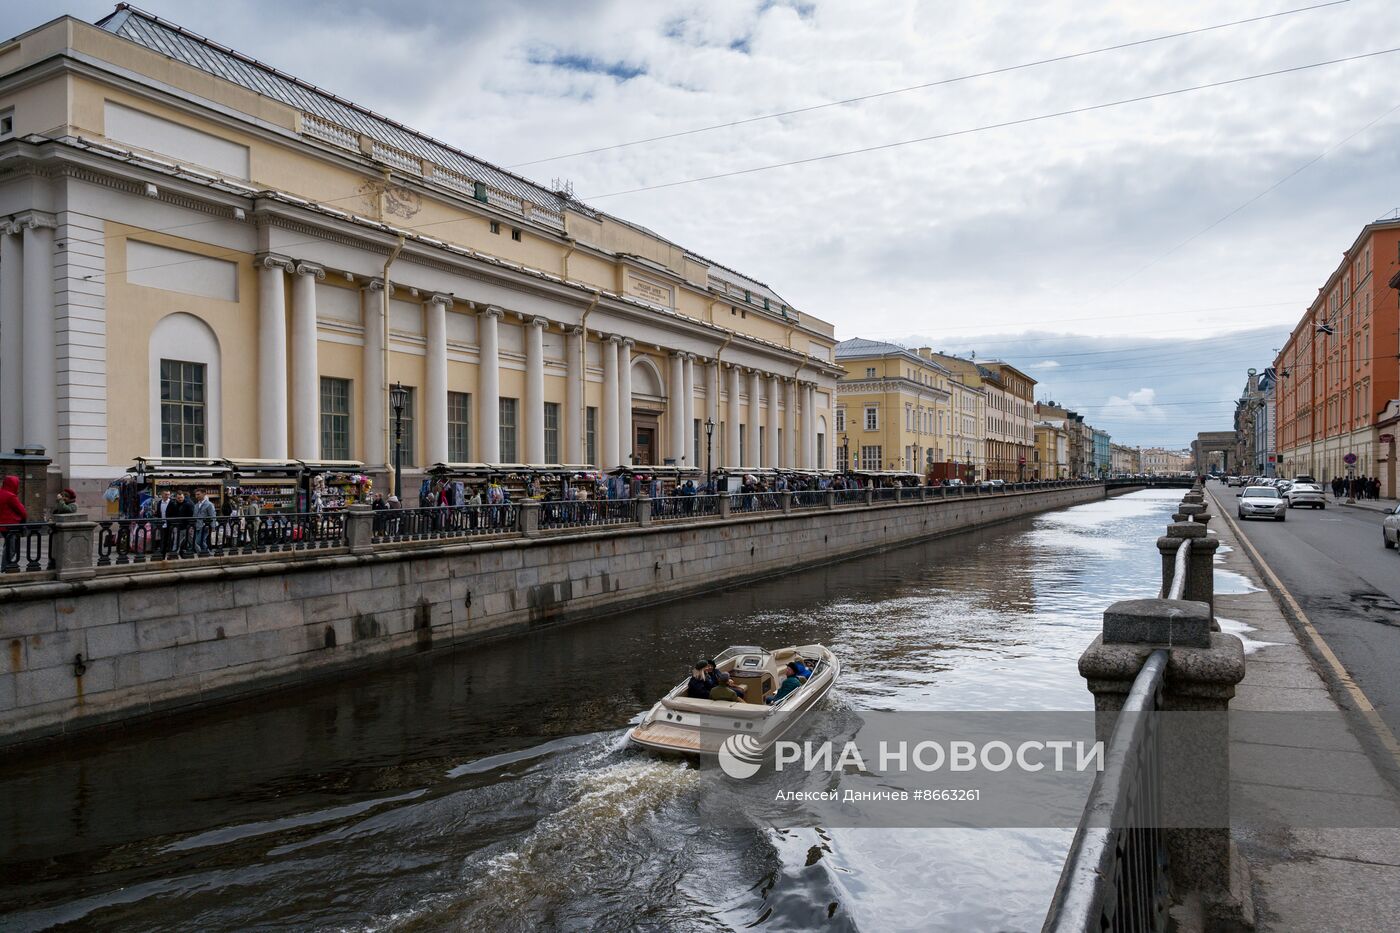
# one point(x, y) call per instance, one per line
point(646, 432)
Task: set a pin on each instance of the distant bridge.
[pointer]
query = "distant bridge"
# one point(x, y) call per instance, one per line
point(1151, 482)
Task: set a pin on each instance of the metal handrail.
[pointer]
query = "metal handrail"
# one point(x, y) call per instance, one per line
point(1177, 590)
point(1115, 876)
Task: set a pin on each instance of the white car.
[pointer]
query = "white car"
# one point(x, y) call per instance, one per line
point(1309, 494)
point(1390, 529)
point(1262, 502)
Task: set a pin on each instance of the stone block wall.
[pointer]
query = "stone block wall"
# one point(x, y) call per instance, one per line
point(123, 645)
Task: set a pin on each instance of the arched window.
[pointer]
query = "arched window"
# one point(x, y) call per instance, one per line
point(185, 380)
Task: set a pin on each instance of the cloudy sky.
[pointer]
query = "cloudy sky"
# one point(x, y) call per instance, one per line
point(1136, 258)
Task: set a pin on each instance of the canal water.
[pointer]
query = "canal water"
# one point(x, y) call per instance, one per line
point(490, 789)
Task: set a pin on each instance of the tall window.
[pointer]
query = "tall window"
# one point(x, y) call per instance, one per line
point(551, 432)
point(762, 441)
point(871, 457)
point(843, 457)
point(840, 419)
point(821, 451)
point(335, 418)
point(508, 452)
point(459, 427)
point(182, 414)
point(591, 424)
point(872, 418)
point(743, 445)
point(699, 450)
point(410, 434)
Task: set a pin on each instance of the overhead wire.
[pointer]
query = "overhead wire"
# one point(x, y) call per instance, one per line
point(1007, 69)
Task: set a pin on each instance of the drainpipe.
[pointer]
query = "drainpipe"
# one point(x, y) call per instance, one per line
point(384, 388)
point(573, 245)
point(583, 364)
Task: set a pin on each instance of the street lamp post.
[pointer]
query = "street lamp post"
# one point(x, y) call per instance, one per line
point(846, 446)
point(709, 443)
point(398, 398)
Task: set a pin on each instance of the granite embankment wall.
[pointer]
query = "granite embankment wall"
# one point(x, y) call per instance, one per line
point(84, 653)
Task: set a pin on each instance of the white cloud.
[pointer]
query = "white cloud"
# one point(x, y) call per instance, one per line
point(1138, 406)
point(1045, 364)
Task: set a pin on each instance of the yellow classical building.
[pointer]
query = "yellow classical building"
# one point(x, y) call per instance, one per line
point(203, 256)
point(893, 409)
point(1051, 451)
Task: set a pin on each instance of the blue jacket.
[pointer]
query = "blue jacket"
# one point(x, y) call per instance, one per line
point(698, 688)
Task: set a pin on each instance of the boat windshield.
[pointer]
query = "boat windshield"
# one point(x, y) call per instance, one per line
point(735, 651)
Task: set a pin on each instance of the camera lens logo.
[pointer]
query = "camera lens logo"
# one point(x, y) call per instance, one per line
point(740, 756)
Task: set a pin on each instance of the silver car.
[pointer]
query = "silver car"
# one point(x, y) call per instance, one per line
point(1308, 494)
point(1390, 529)
point(1262, 502)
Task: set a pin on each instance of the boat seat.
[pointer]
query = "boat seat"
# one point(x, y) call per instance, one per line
point(784, 655)
point(713, 707)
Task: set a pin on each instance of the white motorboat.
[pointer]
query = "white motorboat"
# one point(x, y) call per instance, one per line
point(680, 724)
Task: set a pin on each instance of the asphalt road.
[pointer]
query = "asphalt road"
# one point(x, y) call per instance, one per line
point(1334, 564)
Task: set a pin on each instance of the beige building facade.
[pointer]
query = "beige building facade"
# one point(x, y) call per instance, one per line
point(203, 257)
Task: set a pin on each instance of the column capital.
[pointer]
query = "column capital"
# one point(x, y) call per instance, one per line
point(273, 261)
point(440, 298)
point(539, 322)
point(310, 268)
point(575, 331)
point(628, 342)
point(375, 285)
point(491, 311)
point(34, 220)
point(614, 338)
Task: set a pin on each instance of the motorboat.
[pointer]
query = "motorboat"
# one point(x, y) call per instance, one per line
point(679, 724)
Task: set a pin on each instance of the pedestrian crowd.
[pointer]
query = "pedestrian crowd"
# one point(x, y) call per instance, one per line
point(1356, 487)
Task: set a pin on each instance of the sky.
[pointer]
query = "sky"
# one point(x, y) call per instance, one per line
point(1137, 259)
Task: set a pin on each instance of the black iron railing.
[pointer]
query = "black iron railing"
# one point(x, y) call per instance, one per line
point(460, 521)
point(1116, 875)
point(588, 512)
point(138, 540)
point(808, 498)
point(668, 508)
point(25, 548)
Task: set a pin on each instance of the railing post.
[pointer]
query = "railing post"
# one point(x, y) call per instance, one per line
point(869, 495)
point(644, 510)
point(1200, 574)
point(785, 500)
point(725, 502)
point(899, 493)
point(1193, 760)
point(830, 499)
point(359, 528)
point(72, 546)
point(529, 511)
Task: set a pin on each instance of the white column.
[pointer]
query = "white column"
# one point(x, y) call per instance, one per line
point(690, 452)
point(609, 452)
point(272, 357)
point(488, 386)
point(771, 457)
point(809, 424)
point(534, 390)
point(626, 436)
point(733, 456)
point(435, 379)
point(306, 378)
point(675, 410)
point(790, 458)
point(40, 405)
point(573, 397)
point(11, 337)
point(373, 386)
point(755, 419)
point(711, 414)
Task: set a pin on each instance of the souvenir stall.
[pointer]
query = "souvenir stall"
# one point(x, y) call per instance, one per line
point(129, 493)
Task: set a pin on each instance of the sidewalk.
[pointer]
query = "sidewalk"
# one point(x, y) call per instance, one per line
point(1370, 505)
point(1304, 879)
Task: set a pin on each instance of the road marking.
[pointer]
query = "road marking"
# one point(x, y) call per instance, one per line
point(1358, 696)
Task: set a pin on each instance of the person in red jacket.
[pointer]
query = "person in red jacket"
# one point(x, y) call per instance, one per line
point(12, 512)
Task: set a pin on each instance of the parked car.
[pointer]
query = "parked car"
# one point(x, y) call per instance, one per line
point(1390, 529)
point(1262, 502)
point(1232, 481)
point(1305, 478)
point(1309, 494)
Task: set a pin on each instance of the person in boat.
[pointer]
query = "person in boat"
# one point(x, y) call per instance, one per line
point(712, 675)
point(804, 673)
point(723, 689)
point(700, 683)
point(789, 684)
